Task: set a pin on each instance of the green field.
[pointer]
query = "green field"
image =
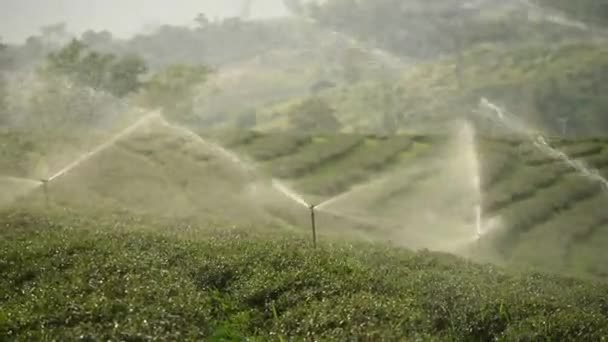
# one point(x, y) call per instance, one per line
point(411, 132)
point(67, 275)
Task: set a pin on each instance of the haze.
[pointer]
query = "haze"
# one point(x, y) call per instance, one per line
point(22, 18)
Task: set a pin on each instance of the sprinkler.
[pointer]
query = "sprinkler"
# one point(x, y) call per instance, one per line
point(314, 225)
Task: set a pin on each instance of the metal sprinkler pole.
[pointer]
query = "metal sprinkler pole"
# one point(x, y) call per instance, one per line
point(314, 226)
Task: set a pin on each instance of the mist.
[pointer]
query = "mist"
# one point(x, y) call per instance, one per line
point(440, 149)
point(21, 19)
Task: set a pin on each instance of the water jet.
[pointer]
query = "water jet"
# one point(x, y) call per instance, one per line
point(110, 142)
point(540, 142)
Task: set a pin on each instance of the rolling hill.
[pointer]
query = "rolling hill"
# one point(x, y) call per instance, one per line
point(416, 191)
point(436, 216)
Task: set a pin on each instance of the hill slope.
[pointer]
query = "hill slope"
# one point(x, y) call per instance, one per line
point(406, 190)
point(542, 85)
point(65, 277)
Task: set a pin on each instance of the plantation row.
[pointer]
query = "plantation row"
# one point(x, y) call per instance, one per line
point(325, 164)
point(551, 211)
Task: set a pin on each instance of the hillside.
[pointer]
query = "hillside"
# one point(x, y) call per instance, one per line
point(424, 30)
point(590, 11)
point(415, 191)
point(82, 276)
point(360, 170)
point(553, 216)
point(541, 85)
point(538, 210)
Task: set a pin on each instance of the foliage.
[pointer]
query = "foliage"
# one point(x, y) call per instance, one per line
point(276, 145)
point(423, 30)
point(313, 156)
point(99, 71)
point(313, 115)
point(174, 88)
point(540, 85)
point(590, 11)
point(71, 277)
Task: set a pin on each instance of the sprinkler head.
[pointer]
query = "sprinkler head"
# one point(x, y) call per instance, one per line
point(312, 206)
point(44, 181)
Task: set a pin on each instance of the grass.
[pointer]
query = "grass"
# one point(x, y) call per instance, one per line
point(66, 277)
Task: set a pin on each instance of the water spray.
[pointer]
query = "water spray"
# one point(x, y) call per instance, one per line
point(540, 142)
point(282, 188)
point(129, 130)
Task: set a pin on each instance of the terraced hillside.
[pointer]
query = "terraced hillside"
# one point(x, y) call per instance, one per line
point(541, 84)
point(538, 210)
point(409, 190)
point(553, 216)
point(152, 172)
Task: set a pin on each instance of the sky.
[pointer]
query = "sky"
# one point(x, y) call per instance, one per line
point(20, 19)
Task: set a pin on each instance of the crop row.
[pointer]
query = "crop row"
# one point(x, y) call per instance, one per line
point(315, 155)
point(498, 161)
point(586, 255)
point(340, 174)
point(526, 214)
point(405, 188)
point(275, 145)
point(233, 138)
point(523, 183)
point(557, 236)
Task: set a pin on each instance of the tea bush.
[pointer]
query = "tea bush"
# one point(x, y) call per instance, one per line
point(67, 277)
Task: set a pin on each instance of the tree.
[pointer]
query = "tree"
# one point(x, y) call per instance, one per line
point(99, 71)
point(173, 89)
point(97, 39)
point(313, 115)
point(124, 75)
point(92, 70)
point(67, 60)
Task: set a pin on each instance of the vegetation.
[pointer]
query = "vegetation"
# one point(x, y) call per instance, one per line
point(350, 105)
point(546, 204)
point(591, 11)
point(96, 70)
point(421, 30)
point(542, 86)
point(74, 277)
point(173, 90)
point(313, 115)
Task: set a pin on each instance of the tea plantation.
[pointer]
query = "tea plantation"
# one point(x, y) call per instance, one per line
point(64, 276)
point(134, 246)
